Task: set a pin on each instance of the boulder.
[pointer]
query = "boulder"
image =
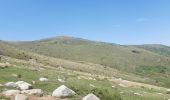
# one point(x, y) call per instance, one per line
point(43, 79)
point(36, 92)
point(5, 65)
point(63, 91)
point(21, 97)
point(91, 97)
point(11, 84)
point(2, 65)
point(24, 85)
point(11, 92)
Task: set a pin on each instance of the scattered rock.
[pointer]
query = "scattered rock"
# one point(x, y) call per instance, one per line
point(159, 93)
point(121, 92)
point(122, 85)
point(5, 65)
point(24, 85)
point(43, 79)
point(11, 92)
point(11, 84)
point(21, 97)
point(138, 94)
point(78, 78)
point(91, 97)
point(168, 91)
point(91, 85)
point(113, 86)
point(36, 92)
point(61, 80)
point(63, 91)
point(33, 82)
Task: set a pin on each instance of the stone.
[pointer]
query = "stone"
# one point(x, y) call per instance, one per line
point(24, 85)
point(11, 84)
point(43, 79)
point(11, 92)
point(36, 92)
point(122, 85)
point(138, 94)
point(61, 80)
point(21, 97)
point(63, 91)
point(91, 97)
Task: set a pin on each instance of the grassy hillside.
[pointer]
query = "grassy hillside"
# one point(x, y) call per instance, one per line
point(125, 58)
point(159, 49)
point(7, 49)
point(101, 64)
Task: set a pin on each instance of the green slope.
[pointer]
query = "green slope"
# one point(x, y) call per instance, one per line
point(156, 48)
point(125, 58)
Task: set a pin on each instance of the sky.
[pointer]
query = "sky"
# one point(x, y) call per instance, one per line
point(115, 21)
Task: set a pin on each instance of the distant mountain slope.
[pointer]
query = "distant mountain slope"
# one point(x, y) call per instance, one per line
point(116, 56)
point(8, 49)
point(159, 49)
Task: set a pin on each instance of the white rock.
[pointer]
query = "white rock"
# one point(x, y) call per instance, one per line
point(91, 97)
point(91, 85)
point(122, 85)
point(168, 90)
point(2, 65)
point(159, 93)
point(43, 79)
point(121, 92)
point(61, 80)
point(11, 84)
point(78, 78)
point(33, 82)
point(37, 92)
point(21, 97)
point(63, 91)
point(113, 86)
point(11, 92)
point(23, 85)
point(138, 94)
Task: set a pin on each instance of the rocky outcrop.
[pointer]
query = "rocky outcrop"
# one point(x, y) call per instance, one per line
point(63, 91)
point(23, 85)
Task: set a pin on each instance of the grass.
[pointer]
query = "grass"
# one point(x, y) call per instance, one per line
point(109, 55)
point(102, 88)
point(159, 73)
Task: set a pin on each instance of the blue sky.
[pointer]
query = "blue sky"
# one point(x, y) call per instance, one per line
point(116, 21)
